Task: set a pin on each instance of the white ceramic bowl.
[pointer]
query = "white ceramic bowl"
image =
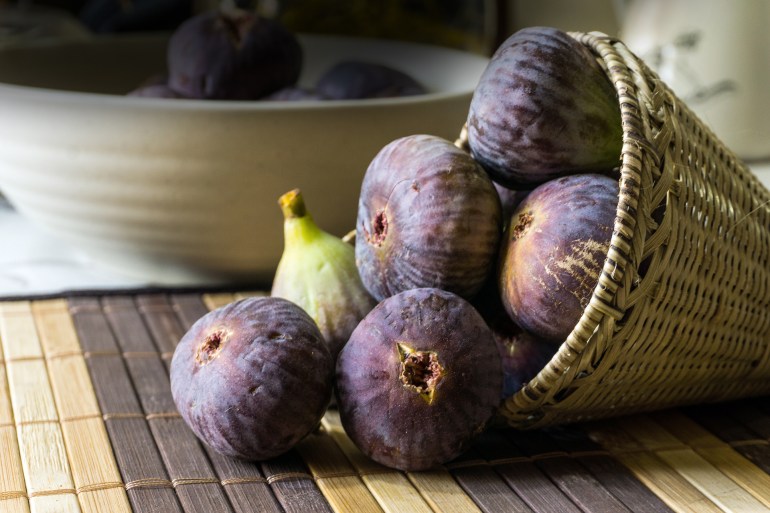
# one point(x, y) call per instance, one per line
point(185, 191)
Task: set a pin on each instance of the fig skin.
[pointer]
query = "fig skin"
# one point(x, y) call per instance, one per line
point(353, 80)
point(509, 200)
point(414, 421)
point(232, 54)
point(294, 94)
point(252, 378)
point(543, 108)
point(428, 216)
point(553, 253)
point(317, 271)
point(522, 354)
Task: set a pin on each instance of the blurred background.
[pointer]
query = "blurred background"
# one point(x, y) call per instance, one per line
point(714, 54)
point(718, 61)
point(469, 24)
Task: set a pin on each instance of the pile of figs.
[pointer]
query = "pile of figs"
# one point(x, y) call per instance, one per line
point(230, 53)
point(469, 266)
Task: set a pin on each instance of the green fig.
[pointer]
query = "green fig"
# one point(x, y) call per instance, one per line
point(318, 272)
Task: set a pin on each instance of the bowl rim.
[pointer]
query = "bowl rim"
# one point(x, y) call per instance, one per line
point(185, 104)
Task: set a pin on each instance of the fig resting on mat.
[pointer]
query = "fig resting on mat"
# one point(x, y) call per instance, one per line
point(428, 216)
point(418, 379)
point(252, 378)
point(554, 250)
point(543, 108)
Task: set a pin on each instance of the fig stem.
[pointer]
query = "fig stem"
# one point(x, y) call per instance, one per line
point(292, 204)
point(298, 225)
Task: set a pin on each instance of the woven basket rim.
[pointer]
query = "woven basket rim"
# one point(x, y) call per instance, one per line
point(520, 410)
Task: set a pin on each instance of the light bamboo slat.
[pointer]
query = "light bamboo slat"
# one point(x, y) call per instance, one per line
point(656, 474)
point(13, 493)
point(47, 474)
point(335, 476)
point(393, 491)
point(216, 300)
point(732, 464)
point(442, 492)
point(715, 485)
point(251, 293)
point(94, 470)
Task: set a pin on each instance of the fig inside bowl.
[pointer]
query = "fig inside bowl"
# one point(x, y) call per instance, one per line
point(179, 191)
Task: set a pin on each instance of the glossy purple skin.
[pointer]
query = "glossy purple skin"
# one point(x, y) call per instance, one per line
point(394, 425)
point(351, 80)
point(232, 55)
point(509, 200)
point(523, 355)
point(266, 388)
point(428, 216)
point(554, 251)
point(543, 108)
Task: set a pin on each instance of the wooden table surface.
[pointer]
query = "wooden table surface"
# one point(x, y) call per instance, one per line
point(87, 423)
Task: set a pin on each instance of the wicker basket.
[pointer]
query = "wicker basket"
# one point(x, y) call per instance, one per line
point(681, 313)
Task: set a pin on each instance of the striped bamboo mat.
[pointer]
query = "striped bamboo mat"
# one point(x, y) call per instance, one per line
point(87, 424)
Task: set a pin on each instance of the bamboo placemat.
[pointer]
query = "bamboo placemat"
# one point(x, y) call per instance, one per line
point(87, 424)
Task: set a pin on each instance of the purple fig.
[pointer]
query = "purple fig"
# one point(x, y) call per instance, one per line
point(428, 216)
point(349, 80)
point(232, 54)
point(293, 94)
point(509, 200)
point(418, 379)
point(554, 250)
point(543, 108)
point(252, 378)
point(523, 355)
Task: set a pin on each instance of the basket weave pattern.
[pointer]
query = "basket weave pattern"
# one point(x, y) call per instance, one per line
point(681, 313)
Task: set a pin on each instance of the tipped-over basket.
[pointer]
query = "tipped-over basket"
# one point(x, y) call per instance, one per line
point(681, 313)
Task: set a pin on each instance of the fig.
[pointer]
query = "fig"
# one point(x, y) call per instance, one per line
point(292, 94)
point(418, 379)
point(428, 216)
point(317, 271)
point(253, 377)
point(232, 54)
point(349, 80)
point(509, 200)
point(554, 250)
point(522, 354)
point(543, 108)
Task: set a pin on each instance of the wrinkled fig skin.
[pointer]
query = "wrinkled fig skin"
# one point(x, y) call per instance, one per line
point(263, 387)
point(428, 216)
point(554, 250)
point(350, 80)
point(232, 55)
point(384, 415)
point(543, 108)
